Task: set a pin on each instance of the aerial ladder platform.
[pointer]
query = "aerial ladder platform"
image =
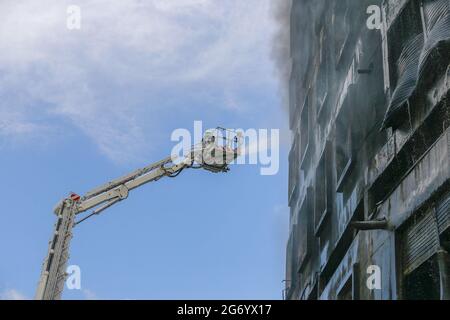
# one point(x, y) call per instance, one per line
point(218, 148)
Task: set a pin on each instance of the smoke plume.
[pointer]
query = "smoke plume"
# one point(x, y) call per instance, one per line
point(281, 50)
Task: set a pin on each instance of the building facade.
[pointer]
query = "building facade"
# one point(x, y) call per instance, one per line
point(369, 166)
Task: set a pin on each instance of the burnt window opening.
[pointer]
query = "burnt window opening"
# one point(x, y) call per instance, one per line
point(301, 36)
point(346, 291)
point(322, 190)
point(295, 97)
point(349, 289)
point(325, 244)
point(294, 170)
point(314, 294)
point(420, 240)
point(371, 80)
point(423, 283)
point(291, 263)
point(345, 139)
point(418, 252)
point(305, 234)
point(292, 99)
point(425, 264)
point(343, 153)
point(304, 129)
point(323, 74)
point(302, 234)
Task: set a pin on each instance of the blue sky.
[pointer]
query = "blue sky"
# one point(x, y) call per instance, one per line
point(81, 107)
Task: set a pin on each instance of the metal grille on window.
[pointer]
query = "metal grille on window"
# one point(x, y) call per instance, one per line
point(421, 241)
point(417, 55)
point(443, 213)
point(407, 71)
point(437, 20)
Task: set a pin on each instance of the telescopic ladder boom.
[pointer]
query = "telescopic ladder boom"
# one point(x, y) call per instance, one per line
point(208, 155)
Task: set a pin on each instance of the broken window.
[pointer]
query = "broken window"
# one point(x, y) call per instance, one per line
point(349, 290)
point(419, 252)
point(344, 140)
point(425, 259)
point(343, 152)
point(304, 230)
point(346, 291)
point(291, 262)
point(295, 98)
point(294, 168)
point(322, 196)
point(323, 75)
point(420, 241)
point(423, 282)
point(292, 99)
point(304, 129)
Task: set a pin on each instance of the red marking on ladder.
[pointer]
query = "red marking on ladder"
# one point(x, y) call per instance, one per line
point(74, 197)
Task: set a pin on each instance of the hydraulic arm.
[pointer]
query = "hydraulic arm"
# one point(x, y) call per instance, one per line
point(211, 154)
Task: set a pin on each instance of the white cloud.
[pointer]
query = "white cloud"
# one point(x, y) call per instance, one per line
point(10, 126)
point(106, 79)
point(12, 294)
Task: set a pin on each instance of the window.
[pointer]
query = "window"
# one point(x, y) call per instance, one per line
point(346, 291)
point(294, 97)
point(322, 195)
point(349, 134)
point(420, 244)
point(323, 75)
point(304, 129)
point(294, 168)
point(423, 261)
point(304, 231)
point(291, 263)
point(325, 244)
point(423, 283)
point(349, 290)
point(343, 150)
point(343, 144)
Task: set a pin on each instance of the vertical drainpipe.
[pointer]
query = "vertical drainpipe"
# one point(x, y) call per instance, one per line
point(444, 266)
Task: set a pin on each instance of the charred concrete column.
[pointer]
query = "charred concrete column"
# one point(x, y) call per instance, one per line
point(444, 267)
